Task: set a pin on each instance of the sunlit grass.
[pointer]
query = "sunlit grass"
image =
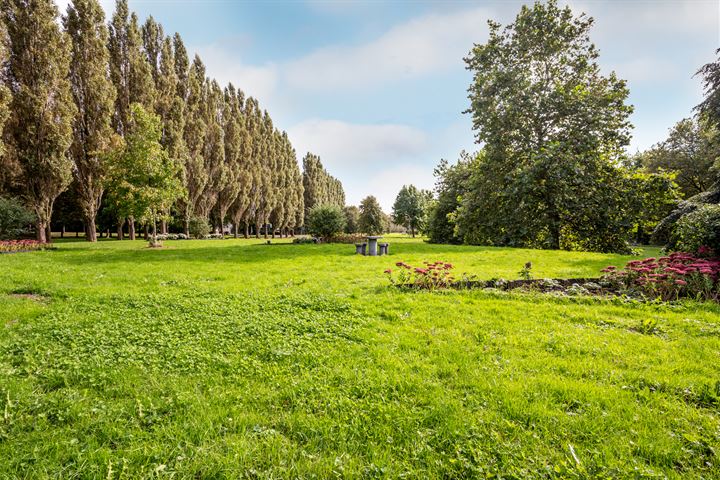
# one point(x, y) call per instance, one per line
point(235, 358)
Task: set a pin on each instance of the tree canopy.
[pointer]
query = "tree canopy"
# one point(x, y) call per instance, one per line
point(553, 129)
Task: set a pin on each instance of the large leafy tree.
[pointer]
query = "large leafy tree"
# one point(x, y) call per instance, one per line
point(39, 130)
point(94, 96)
point(372, 218)
point(553, 128)
point(144, 179)
point(411, 207)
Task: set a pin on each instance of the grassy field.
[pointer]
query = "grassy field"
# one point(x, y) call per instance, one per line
point(235, 359)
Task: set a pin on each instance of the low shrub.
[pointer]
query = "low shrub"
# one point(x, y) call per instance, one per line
point(326, 221)
point(347, 238)
point(214, 236)
point(304, 240)
point(432, 276)
point(678, 275)
point(172, 236)
point(15, 219)
point(199, 227)
point(15, 246)
point(698, 230)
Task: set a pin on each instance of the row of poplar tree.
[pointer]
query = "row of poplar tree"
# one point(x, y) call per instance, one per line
point(72, 86)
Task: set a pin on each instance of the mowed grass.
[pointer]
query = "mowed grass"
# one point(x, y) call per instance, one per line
point(236, 359)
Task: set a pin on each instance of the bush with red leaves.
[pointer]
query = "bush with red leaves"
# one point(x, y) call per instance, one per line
point(15, 246)
point(431, 276)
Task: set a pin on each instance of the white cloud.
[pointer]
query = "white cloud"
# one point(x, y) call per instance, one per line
point(348, 145)
point(386, 183)
point(257, 81)
point(423, 45)
point(647, 70)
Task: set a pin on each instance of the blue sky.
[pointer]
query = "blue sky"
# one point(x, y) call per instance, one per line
point(377, 89)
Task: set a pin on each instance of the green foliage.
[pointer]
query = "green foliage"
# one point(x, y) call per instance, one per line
point(553, 129)
point(199, 227)
point(15, 220)
point(352, 219)
point(411, 208)
point(39, 129)
point(372, 218)
point(697, 229)
point(144, 180)
point(710, 106)
point(452, 184)
point(651, 196)
point(689, 153)
point(324, 221)
point(320, 188)
point(94, 95)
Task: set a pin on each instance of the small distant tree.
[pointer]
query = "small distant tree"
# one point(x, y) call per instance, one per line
point(352, 219)
point(325, 221)
point(372, 218)
point(411, 207)
point(144, 180)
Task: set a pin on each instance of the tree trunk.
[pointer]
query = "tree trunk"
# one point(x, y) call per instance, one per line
point(154, 234)
point(49, 232)
point(412, 231)
point(147, 234)
point(90, 229)
point(120, 233)
point(247, 230)
point(41, 231)
point(554, 231)
point(131, 228)
point(164, 227)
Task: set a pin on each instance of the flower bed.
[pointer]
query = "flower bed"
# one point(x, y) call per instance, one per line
point(678, 275)
point(17, 246)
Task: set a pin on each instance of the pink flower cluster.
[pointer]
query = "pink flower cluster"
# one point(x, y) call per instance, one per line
point(11, 246)
point(431, 276)
point(676, 275)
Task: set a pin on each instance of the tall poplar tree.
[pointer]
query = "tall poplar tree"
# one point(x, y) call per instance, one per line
point(131, 74)
point(195, 131)
point(152, 40)
point(241, 208)
point(4, 94)
point(213, 151)
point(129, 68)
point(39, 130)
point(233, 137)
point(94, 96)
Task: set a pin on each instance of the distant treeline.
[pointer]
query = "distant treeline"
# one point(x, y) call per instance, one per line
point(70, 86)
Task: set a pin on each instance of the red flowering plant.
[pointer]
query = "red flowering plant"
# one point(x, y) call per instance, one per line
point(431, 276)
point(15, 246)
point(678, 275)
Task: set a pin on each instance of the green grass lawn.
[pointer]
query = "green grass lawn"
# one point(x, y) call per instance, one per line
point(235, 359)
